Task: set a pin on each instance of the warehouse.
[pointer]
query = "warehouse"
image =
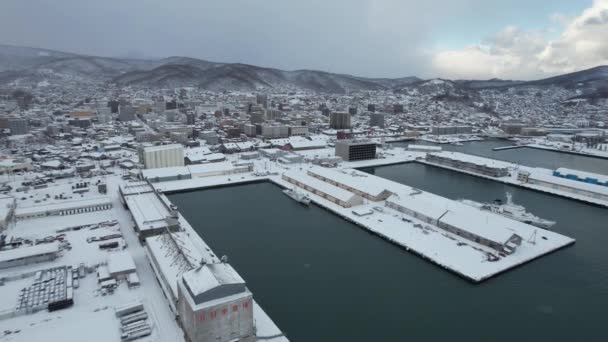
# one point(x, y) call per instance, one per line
point(166, 174)
point(492, 230)
point(465, 162)
point(212, 298)
point(151, 215)
point(120, 265)
point(325, 190)
point(29, 255)
point(352, 180)
point(217, 169)
point(569, 185)
point(582, 176)
point(64, 208)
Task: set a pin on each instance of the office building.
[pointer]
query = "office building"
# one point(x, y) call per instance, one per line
point(339, 120)
point(249, 130)
point(376, 120)
point(18, 126)
point(275, 131)
point(126, 113)
point(190, 119)
point(298, 130)
point(351, 150)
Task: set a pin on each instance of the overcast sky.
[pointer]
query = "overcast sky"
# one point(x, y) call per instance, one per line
point(517, 39)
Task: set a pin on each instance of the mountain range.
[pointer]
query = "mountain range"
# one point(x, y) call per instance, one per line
point(19, 65)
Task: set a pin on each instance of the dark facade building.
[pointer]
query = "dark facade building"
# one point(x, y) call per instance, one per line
point(351, 150)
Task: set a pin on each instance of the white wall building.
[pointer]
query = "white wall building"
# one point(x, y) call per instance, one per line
point(163, 156)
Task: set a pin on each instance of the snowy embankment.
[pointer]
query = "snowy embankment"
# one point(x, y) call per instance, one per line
point(512, 180)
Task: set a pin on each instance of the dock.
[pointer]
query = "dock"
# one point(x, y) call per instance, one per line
point(464, 258)
point(507, 147)
point(572, 191)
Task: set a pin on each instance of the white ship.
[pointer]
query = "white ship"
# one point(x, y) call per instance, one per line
point(512, 211)
point(298, 196)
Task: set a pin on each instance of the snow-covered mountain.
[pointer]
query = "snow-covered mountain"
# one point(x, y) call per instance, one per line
point(24, 65)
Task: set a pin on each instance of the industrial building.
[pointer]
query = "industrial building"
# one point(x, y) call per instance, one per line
point(466, 162)
point(492, 231)
point(563, 184)
point(582, 176)
point(194, 171)
point(323, 189)
point(29, 255)
point(214, 304)
point(151, 214)
point(351, 150)
point(339, 120)
point(443, 130)
point(351, 180)
point(64, 208)
point(163, 156)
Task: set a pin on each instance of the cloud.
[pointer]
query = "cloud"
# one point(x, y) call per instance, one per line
point(516, 54)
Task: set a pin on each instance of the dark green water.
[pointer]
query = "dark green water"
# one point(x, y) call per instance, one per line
point(527, 156)
point(323, 279)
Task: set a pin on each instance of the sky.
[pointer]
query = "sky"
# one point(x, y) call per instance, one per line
point(456, 39)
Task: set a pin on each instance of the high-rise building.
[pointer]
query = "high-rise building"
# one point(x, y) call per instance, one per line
point(262, 99)
point(249, 130)
point(376, 120)
point(163, 156)
point(18, 126)
point(339, 120)
point(371, 107)
point(190, 119)
point(351, 150)
point(126, 113)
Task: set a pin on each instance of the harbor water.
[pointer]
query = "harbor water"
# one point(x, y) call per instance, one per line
point(322, 278)
point(526, 156)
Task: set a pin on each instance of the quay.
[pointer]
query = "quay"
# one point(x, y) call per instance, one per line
point(537, 179)
point(427, 225)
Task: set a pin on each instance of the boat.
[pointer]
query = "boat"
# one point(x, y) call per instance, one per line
point(297, 196)
point(511, 210)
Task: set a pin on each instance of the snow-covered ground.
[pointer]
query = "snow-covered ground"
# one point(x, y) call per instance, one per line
point(92, 315)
